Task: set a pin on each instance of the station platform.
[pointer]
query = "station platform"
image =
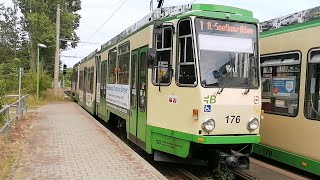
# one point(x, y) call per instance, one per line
point(66, 142)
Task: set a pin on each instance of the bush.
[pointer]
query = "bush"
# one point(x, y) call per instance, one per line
point(29, 83)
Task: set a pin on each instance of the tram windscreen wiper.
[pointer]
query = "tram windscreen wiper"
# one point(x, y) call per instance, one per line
point(227, 78)
point(237, 82)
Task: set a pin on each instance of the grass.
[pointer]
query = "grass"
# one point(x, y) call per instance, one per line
point(11, 145)
point(46, 97)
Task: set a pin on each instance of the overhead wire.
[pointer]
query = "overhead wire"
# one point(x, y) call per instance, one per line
point(76, 53)
point(107, 19)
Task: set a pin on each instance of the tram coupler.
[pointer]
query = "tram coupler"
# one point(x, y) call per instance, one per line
point(233, 161)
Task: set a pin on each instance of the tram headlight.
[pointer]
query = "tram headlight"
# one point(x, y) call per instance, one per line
point(208, 124)
point(253, 124)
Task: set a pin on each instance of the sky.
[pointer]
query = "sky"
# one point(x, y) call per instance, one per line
point(95, 13)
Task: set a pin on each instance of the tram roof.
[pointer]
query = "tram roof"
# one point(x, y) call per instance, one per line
point(167, 13)
point(292, 22)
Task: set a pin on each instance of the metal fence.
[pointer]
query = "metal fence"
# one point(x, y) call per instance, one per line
point(10, 113)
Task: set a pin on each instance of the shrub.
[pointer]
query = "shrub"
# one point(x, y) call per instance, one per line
point(29, 83)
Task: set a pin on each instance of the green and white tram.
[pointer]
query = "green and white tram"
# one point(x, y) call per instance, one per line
point(290, 67)
point(183, 81)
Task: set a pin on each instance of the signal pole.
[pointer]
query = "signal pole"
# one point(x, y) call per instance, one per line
point(56, 61)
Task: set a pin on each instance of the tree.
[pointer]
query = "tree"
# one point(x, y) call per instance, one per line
point(40, 21)
point(9, 33)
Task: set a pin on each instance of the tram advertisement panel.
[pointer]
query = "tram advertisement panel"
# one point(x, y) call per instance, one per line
point(284, 87)
point(118, 94)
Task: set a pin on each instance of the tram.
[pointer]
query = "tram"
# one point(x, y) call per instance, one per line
point(183, 81)
point(290, 67)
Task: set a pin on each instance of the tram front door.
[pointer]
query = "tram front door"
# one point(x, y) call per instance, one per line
point(138, 106)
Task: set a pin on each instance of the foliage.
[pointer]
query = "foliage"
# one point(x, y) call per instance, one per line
point(29, 82)
point(40, 23)
point(67, 78)
point(9, 32)
point(19, 37)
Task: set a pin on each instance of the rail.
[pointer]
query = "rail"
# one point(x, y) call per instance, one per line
point(5, 115)
point(243, 175)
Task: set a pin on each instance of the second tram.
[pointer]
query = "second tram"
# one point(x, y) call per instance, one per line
point(290, 69)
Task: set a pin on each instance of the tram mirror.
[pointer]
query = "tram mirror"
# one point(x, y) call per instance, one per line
point(152, 53)
point(313, 86)
point(157, 27)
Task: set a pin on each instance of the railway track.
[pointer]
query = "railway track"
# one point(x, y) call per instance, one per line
point(173, 173)
point(188, 174)
point(242, 175)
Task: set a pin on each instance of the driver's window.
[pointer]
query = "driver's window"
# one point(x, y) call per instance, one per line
point(161, 74)
point(186, 62)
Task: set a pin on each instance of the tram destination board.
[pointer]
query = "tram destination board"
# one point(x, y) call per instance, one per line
point(207, 26)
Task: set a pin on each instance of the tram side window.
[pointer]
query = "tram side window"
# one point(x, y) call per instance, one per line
point(88, 77)
point(112, 68)
point(81, 80)
point(98, 65)
point(85, 79)
point(186, 62)
point(161, 74)
point(280, 83)
point(312, 99)
point(124, 63)
point(91, 79)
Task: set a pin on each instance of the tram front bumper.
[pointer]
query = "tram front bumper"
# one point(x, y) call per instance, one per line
point(240, 139)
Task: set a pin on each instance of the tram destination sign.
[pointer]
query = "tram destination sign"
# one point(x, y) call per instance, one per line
point(207, 26)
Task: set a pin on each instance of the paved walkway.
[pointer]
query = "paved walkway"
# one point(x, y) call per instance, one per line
point(67, 143)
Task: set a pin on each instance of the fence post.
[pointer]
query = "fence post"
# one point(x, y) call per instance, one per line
point(17, 109)
point(22, 107)
point(7, 126)
point(7, 116)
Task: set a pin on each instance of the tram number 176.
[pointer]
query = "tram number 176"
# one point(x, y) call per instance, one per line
point(232, 119)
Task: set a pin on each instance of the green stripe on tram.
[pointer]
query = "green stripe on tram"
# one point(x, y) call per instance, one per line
point(291, 159)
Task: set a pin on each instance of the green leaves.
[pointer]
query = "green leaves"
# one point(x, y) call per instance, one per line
point(39, 20)
point(41, 28)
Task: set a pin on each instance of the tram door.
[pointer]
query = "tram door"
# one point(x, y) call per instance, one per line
point(138, 109)
point(85, 85)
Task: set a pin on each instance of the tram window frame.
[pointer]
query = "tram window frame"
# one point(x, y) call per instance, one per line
point(104, 75)
point(91, 79)
point(186, 33)
point(81, 80)
point(85, 87)
point(113, 65)
point(165, 49)
point(123, 56)
point(281, 66)
point(307, 96)
point(98, 65)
